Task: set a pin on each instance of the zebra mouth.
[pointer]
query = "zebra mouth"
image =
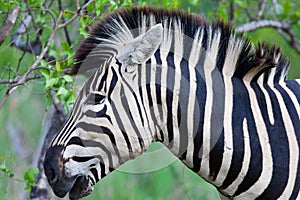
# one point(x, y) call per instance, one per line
point(82, 187)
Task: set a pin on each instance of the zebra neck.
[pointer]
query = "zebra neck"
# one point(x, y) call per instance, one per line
point(184, 106)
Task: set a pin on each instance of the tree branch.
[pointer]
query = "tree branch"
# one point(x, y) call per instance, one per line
point(33, 47)
point(261, 8)
point(63, 20)
point(24, 79)
point(17, 79)
point(54, 120)
point(8, 23)
point(284, 29)
point(292, 40)
point(231, 11)
point(251, 26)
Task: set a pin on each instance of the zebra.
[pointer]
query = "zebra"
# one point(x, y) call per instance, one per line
point(219, 103)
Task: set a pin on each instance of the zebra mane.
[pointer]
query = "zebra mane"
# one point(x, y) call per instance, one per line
point(262, 63)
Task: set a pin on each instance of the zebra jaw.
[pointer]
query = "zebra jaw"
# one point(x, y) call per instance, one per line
point(83, 186)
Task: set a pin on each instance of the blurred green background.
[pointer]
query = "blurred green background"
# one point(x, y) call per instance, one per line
point(25, 109)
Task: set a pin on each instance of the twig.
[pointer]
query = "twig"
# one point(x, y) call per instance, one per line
point(56, 103)
point(261, 8)
point(251, 26)
point(17, 79)
point(32, 47)
point(250, 15)
point(8, 23)
point(276, 8)
point(63, 20)
point(292, 41)
point(231, 11)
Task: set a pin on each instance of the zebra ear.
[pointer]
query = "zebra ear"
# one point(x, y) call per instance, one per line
point(140, 49)
point(149, 43)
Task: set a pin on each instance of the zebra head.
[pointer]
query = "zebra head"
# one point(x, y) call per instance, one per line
point(88, 147)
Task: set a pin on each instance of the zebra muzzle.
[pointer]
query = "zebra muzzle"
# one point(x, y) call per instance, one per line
point(77, 186)
point(82, 187)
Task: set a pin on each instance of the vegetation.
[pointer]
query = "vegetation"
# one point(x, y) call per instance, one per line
point(37, 42)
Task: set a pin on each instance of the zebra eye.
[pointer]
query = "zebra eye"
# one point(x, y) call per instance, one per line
point(94, 99)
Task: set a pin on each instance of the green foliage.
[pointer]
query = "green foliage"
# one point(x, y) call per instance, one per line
point(4, 168)
point(57, 82)
point(29, 177)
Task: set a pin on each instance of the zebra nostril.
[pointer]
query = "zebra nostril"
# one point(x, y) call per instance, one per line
point(52, 164)
point(52, 176)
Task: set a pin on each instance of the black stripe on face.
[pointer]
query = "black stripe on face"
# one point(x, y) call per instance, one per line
point(75, 141)
point(102, 169)
point(101, 130)
point(126, 107)
point(113, 82)
point(95, 174)
point(89, 143)
point(99, 114)
point(139, 108)
point(82, 158)
point(121, 127)
point(96, 129)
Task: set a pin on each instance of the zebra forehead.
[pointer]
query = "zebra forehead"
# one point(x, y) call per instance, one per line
point(125, 24)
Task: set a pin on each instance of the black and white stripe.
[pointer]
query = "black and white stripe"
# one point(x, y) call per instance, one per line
point(220, 104)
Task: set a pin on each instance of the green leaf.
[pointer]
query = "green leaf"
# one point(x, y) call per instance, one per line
point(51, 82)
point(222, 12)
point(71, 98)
point(242, 4)
point(5, 170)
point(65, 46)
point(29, 177)
point(45, 72)
point(68, 78)
point(58, 66)
point(62, 91)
